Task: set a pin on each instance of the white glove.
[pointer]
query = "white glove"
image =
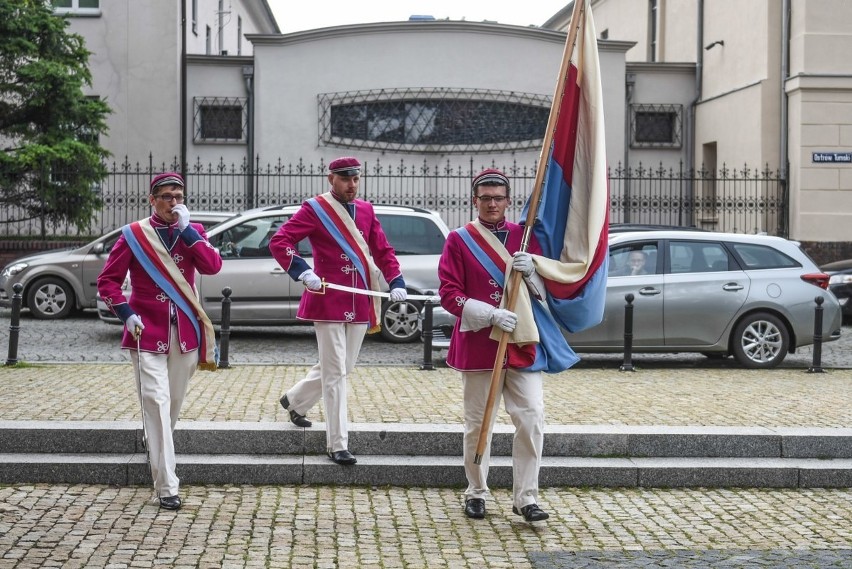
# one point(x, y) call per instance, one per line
point(132, 324)
point(311, 280)
point(398, 294)
point(504, 319)
point(523, 263)
point(183, 216)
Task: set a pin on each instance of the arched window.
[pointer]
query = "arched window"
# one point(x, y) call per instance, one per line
point(434, 120)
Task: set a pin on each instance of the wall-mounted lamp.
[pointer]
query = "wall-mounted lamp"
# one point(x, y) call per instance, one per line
point(714, 44)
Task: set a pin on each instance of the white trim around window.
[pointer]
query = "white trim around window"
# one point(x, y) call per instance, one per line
point(77, 7)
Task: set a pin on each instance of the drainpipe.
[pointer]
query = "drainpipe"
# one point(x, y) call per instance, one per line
point(691, 138)
point(785, 73)
point(630, 83)
point(248, 76)
point(183, 167)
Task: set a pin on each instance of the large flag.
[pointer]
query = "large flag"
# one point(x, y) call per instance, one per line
point(573, 214)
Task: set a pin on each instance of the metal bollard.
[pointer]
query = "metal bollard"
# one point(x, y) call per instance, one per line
point(14, 326)
point(628, 334)
point(225, 329)
point(427, 334)
point(816, 365)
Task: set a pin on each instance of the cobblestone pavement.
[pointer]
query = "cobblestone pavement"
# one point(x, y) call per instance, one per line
point(391, 527)
point(84, 338)
point(398, 394)
point(56, 525)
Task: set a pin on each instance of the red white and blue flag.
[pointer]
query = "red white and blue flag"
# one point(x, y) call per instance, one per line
point(573, 214)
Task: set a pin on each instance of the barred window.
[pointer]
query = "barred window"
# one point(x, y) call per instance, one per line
point(220, 119)
point(656, 126)
point(433, 120)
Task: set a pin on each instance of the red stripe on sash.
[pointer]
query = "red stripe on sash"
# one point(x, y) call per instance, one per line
point(341, 226)
point(487, 248)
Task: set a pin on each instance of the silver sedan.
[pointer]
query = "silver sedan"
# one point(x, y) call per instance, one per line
point(263, 294)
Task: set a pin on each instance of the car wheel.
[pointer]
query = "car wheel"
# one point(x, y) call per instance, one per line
point(401, 321)
point(50, 298)
point(760, 341)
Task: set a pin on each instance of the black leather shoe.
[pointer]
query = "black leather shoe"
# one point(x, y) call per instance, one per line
point(170, 503)
point(343, 457)
point(474, 508)
point(531, 513)
point(298, 420)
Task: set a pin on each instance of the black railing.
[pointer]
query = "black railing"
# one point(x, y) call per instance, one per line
point(742, 201)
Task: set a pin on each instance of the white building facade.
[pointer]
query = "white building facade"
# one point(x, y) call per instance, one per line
point(762, 84)
point(773, 88)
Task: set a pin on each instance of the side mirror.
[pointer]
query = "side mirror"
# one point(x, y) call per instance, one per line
point(98, 248)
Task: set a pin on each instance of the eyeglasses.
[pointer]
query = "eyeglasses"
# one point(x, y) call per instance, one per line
point(489, 199)
point(169, 197)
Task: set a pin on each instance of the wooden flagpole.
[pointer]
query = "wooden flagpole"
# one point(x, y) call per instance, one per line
point(577, 16)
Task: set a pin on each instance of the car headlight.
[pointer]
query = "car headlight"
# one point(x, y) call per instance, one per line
point(840, 279)
point(14, 269)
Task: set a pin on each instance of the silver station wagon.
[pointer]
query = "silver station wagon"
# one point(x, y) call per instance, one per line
point(719, 294)
point(263, 294)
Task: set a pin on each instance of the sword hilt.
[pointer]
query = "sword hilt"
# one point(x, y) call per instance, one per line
point(320, 291)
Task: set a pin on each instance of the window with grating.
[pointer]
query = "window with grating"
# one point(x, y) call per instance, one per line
point(220, 119)
point(433, 120)
point(656, 126)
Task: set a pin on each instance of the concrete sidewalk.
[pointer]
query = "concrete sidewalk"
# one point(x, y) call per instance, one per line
point(297, 525)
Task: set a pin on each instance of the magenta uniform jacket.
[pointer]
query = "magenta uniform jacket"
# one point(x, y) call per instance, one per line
point(331, 264)
point(191, 252)
point(462, 276)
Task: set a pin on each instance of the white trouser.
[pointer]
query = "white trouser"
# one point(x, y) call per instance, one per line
point(165, 378)
point(338, 345)
point(524, 397)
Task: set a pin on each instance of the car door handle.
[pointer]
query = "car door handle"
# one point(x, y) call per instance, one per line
point(276, 271)
point(649, 291)
point(733, 286)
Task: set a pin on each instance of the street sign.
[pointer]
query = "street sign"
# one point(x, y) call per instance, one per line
point(827, 157)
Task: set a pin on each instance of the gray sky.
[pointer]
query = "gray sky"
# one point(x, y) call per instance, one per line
point(297, 15)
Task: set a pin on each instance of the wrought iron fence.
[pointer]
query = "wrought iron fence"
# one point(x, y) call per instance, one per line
point(744, 200)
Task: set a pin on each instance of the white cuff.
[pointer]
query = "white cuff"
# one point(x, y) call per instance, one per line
point(476, 315)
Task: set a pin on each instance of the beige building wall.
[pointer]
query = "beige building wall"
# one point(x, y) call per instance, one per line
point(655, 84)
point(678, 22)
point(214, 77)
point(136, 68)
point(820, 100)
point(134, 61)
point(741, 117)
point(228, 32)
point(618, 20)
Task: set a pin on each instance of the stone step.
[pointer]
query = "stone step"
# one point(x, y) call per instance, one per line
point(397, 439)
point(428, 471)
